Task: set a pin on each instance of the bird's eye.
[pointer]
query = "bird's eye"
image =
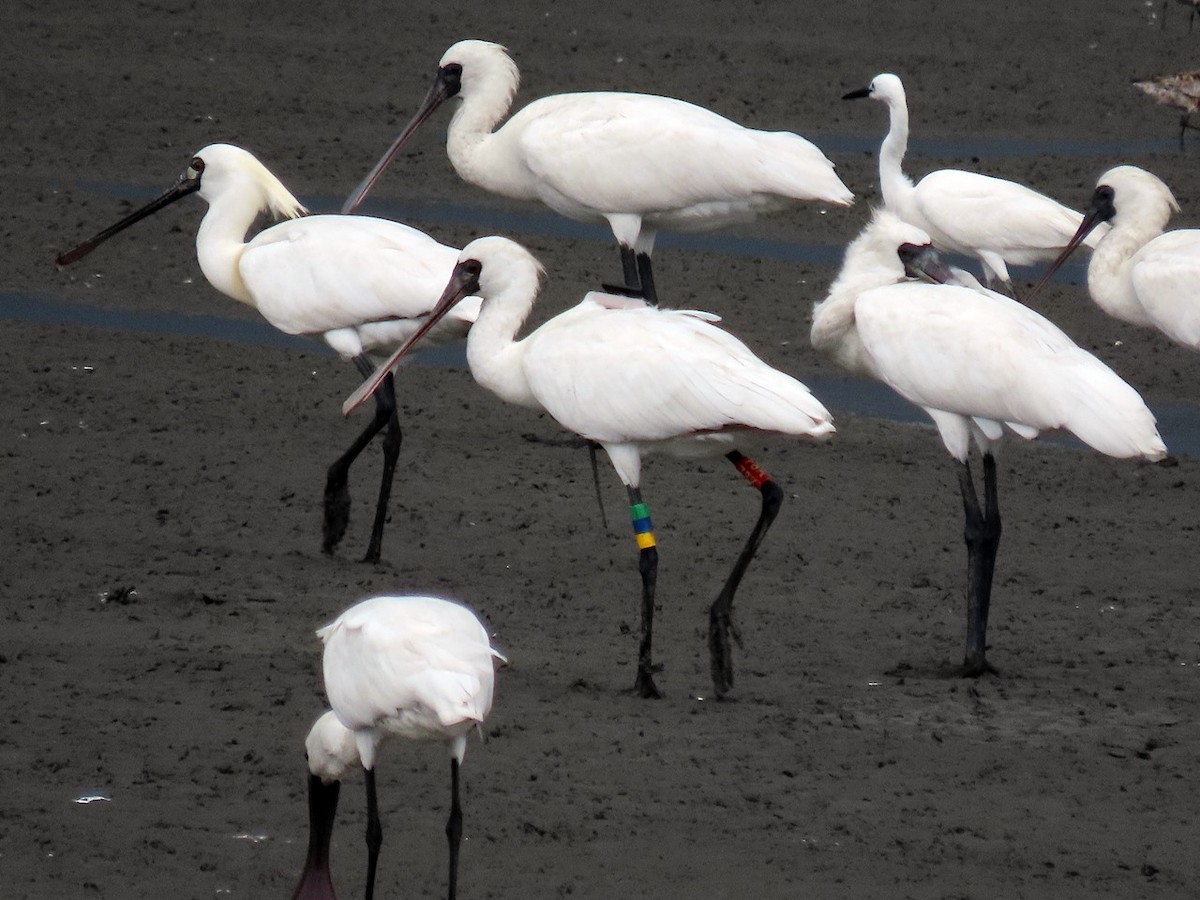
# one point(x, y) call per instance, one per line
point(197, 165)
point(450, 75)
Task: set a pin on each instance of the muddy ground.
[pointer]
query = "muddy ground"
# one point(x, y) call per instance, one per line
point(162, 573)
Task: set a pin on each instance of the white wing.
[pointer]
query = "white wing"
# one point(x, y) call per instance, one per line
point(342, 271)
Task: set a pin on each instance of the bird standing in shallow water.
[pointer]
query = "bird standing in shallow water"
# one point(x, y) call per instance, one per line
point(362, 284)
point(979, 364)
point(1138, 273)
point(632, 378)
point(998, 222)
point(639, 162)
point(422, 668)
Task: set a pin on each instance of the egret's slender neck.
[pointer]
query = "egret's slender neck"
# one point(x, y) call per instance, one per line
point(493, 351)
point(221, 240)
point(893, 183)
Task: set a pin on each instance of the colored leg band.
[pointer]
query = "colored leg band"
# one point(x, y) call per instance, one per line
point(751, 472)
point(643, 529)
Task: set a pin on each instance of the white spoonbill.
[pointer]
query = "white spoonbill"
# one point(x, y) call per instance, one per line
point(631, 378)
point(980, 364)
point(360, 283)
point(996, 221)
point(331, 751)
point(636, 161)
point(1138, 273)
point(418, 667)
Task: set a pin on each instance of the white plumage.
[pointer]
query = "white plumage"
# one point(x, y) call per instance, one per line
point(631, 378)
point(1138, 273)
point(639, 162)
point(980, 364)
point(419, 667)
point(362, 284)
point(998, 222)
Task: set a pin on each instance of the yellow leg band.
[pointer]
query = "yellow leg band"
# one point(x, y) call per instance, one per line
point(645, 539)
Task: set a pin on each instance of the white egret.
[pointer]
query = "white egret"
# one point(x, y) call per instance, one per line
point(996, 221)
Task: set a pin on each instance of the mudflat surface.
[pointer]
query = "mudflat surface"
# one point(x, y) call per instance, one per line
point(850, 762)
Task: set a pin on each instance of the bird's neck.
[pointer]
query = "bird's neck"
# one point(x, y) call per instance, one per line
point(221, 240)
point(482, 156)
point(893, 183)
point(494, 354)
point(1109, 280)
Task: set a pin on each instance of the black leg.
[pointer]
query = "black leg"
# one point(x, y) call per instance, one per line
point(592, 447)
point(629, 268)
point(374, 831)
point(337, 492)
point(646, 278)
point(982, 536)
point(648, 567)
point(720, 614)
point(454, 827)
point(391, 452)
point(638, 275)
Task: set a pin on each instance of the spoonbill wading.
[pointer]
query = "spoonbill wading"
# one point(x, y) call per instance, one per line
point(998, 222)
point(1138, 273)
point(360, 283)
point(980, 364)
point(632, 378)
point(639, 162)
point(418, 667)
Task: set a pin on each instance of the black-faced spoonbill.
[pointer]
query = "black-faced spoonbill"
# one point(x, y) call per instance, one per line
point(418, 667)
point(1138, 273)
point(636, 161)
point(998, 222)
point(1181, 91)
point(361, 283)
point(331, 751)
point(631, 378)
point(980, 364)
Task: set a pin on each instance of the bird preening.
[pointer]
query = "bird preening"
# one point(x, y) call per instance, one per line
point(981, 365)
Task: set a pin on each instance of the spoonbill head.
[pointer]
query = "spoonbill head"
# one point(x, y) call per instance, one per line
point(1139, 273)
point(361, 284)
point(422, 668)
point(639, 162)
point(998, 222)
point(632, 378)
point(331, 751)
point(981, 365)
